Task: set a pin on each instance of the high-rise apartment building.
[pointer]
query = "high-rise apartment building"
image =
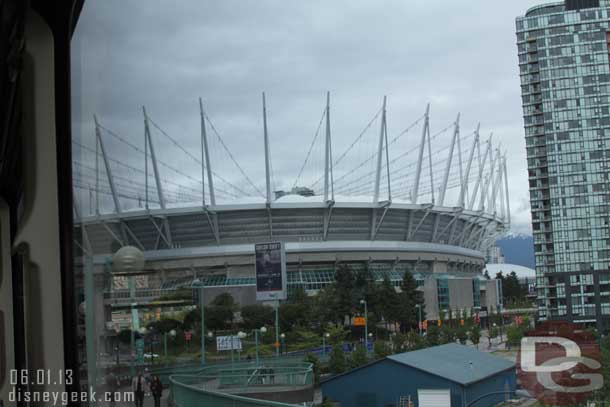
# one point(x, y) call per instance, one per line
point(564, 51)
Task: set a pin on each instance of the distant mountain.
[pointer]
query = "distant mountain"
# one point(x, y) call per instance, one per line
point(518, 249)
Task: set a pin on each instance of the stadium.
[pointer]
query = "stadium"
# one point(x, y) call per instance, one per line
point(388, 204)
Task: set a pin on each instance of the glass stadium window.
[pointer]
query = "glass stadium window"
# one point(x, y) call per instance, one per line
point(476, 292)
point(443, 293)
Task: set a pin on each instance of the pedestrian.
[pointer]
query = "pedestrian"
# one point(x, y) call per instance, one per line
point(156, 388)
point(137, 386)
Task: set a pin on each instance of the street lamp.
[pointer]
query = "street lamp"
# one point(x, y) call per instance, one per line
point(366, 323)
point(324, 336)
point(198, 284)
point(116, 350)
point(256, 331)
point(282, 338)
point(241, 335)
point(171, 333)
point(127, 261)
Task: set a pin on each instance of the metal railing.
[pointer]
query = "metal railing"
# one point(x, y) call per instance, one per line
point(221, 385)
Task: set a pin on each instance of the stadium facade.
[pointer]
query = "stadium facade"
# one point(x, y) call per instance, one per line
point(442, 246)
point(565, 81)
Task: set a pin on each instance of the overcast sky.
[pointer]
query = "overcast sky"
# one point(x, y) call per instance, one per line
point(458, 55)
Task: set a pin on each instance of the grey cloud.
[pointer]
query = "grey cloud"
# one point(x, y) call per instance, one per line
point(461, 56)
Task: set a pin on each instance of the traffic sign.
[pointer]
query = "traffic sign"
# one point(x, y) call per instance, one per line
point(359, 321)
point(188, 336)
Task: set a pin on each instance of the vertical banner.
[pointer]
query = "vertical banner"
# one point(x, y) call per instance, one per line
point(270, 271)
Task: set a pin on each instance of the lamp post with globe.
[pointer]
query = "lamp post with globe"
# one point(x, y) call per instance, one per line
point(200, 285)
point(129, 261)
point(262, 330)
point(241, 335)
point(283, 339)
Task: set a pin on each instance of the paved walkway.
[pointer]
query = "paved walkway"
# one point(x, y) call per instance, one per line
point(148, 400)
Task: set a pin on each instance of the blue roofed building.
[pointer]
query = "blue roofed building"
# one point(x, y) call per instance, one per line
point(441, 376)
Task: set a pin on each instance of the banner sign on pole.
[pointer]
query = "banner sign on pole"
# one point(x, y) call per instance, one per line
point(228, 342)
point(359, 321)
point(140, 350)
point(270, 271)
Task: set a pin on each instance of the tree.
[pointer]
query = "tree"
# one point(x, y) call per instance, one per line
point(220, 313)
point(475, 335)
point(344, 290)
point(514, 334)
point(225, 300)
point(326, 306)
point(293, 315)
point(326, 402)
point(358, 357)
point(461, 334)
point(492, 334)
point(433, 335)
point(125, 336)
point(315, 362)
point(447, 334)
point(363, 287)
point(164, 325)
point(387, 301)
point(336, 334)
point(337, 363)
point(408, 298)
point(381, 349)
point(217, 317)
point(257, 315)
point(414, 341)
point(192, 319)
point(512, 292)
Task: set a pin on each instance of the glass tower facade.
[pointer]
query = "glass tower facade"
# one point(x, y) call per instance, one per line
point(564, 51)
